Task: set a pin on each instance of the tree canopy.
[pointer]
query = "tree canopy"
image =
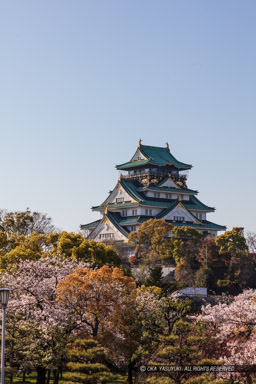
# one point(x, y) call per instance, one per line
point(153, 239)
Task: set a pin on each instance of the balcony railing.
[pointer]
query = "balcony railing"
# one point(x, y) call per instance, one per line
point(155, 175)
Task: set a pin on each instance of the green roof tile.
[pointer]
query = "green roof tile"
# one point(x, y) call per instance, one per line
point(121, 205)
point(195, 203)
point(115, 220)
point(167, 189)
point(155, 156)
point(167, 210)
point(132, 164)
point(131, 189)
point(91, 225)
point(134, 220)
point(206, 225)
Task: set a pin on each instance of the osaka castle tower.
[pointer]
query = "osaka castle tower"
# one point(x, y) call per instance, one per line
point(153, 184)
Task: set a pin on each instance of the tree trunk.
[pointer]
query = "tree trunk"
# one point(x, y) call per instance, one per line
point(56, 373)
point(95, 329)
point(129, 378)
point(249, 379)
point(48, 376)
point(23, 376)
point(41, 375)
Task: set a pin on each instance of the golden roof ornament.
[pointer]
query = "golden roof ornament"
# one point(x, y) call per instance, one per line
point(120, 177)
point(167, 145)
point(139, 144)
point(106, 209)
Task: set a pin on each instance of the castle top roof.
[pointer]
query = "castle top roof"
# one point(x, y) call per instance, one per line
point(158, 156)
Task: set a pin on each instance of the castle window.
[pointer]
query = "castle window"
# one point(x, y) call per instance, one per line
point(133, 228)
point(179, 218)
point(124, 213)
point(119, 199)
point(134, 212)
point(157, 194)
point(106, 236)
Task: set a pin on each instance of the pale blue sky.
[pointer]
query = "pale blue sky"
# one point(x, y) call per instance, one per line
point(81, 81)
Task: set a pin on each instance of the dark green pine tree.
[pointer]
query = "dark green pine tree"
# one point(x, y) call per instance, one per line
point(155, 277)
point(87, 363)
point(184, 347)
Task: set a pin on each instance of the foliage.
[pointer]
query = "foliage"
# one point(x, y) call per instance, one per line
point(23, 236)
point(185, 345)
point(213, 265)
point(159, 315)
point(33, 306)
point(185, 245)
point(95, 297)
point(17, 345)
point(16, 248)
point(233, 242)
point(203, 277)
point(185, 242)
point(27, 236)
point(156, 276)
point(235, 325)
point(238, 272)
point(152, 240)
point(25, 223)
point(87, 363)
point(184, 274)
point(75, 246)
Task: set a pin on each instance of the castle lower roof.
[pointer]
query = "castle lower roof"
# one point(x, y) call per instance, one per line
point(142, 200)
point(119, 222)
point(167, 189)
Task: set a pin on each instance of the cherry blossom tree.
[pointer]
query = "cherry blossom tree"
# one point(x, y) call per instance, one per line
point(33, 302)
point(235, 325)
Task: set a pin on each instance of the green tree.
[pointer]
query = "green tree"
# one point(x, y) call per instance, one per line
point(233, 242)
point(14, 248)
point(203, 277)
point(87, 363)
point(213, 266)
point(75, 246)
point(17, 346)
point(185, 243)
point(234, 251)
point(153, 240)
point(23, 236)
point(25, 223)
point(155, 277)
point(17, 243)
point(185, 345)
